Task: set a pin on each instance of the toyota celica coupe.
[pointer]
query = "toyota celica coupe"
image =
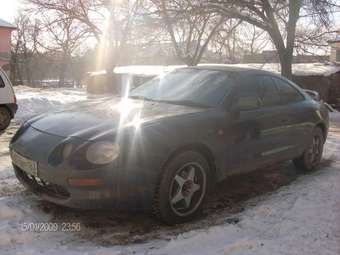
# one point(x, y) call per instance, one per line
point(166, 145)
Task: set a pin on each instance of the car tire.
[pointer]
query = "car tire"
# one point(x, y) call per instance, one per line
point(182, 189)
point(5, 118)
point(311, 158)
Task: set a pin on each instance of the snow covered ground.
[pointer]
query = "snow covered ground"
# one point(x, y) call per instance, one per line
point(270, 211)
point(33, 101)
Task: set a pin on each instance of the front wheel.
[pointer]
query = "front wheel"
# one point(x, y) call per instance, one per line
point(311, 158)
point(5, 118)
point(182, 188)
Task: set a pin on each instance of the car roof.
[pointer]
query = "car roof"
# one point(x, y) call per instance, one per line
point(230, 69)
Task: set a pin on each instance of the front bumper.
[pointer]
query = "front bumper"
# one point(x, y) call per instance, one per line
point(85, 198)
point(124, 186)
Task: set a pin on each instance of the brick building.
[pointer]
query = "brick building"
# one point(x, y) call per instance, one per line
point(5, 44)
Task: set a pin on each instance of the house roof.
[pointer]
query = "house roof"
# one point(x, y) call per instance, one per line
point(6, 24)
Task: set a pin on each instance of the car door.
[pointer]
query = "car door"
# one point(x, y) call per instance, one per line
point(276, 122)
point(256, 125)
point(293, 117)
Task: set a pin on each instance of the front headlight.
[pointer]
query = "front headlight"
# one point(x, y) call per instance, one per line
point(102, 153)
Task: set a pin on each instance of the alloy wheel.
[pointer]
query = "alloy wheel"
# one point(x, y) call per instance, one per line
point(187, 189)
point(315, 150)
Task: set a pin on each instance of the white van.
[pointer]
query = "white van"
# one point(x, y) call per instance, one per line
point(8, 101)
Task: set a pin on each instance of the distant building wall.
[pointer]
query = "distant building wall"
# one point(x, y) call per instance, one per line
point(335, 52)
point(327, 86)
point(5, 47)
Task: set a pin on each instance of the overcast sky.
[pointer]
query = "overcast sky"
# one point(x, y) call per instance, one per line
point(9, 9)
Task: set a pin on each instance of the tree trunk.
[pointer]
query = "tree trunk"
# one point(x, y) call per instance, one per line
point(28, 74)
point(14, 66)
point(62, 70)
point(286, 61)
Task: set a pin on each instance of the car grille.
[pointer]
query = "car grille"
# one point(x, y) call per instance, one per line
point(37, 185)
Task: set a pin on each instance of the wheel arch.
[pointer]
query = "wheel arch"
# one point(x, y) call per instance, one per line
point(8, 109)
point(323, 128)
point(201, 149)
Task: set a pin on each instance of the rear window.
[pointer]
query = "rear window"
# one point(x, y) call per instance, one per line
point(288, 93)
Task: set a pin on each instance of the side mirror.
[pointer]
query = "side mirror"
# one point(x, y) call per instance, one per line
point(313, 94)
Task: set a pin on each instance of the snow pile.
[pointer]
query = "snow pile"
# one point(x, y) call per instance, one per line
point(34, 101)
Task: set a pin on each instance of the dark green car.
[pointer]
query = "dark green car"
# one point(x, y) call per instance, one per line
point(164, 147)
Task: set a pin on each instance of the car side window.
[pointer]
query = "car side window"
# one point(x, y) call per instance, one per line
point(248, 97)
point(288, 93)
point(2, 83)
point(268, 91)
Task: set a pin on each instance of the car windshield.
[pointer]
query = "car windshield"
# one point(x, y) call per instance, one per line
point(196, 87)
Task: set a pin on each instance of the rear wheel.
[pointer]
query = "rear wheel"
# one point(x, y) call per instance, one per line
point(311, 158)
point(5, 118)
point(182, 189)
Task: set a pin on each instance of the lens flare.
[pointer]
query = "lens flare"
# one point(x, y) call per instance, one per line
point(137, 121)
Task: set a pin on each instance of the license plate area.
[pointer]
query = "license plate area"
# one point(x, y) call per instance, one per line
point(27, 165)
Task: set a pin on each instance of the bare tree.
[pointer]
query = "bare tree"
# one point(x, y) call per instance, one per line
point(109, 22)
point(24, 47)
point(313, 40)
point(65, 35)
point(88, 12)
point(235, 38)
point(255, 39)
point(190, 32)
point(226, 43)
point(279, 18)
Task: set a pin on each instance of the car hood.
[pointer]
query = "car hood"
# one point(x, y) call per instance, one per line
point(95, 118)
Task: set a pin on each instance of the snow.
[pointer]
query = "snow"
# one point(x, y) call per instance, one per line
point(289, 213)
point(33, 101)
point(144, 70)
point(302, 69)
